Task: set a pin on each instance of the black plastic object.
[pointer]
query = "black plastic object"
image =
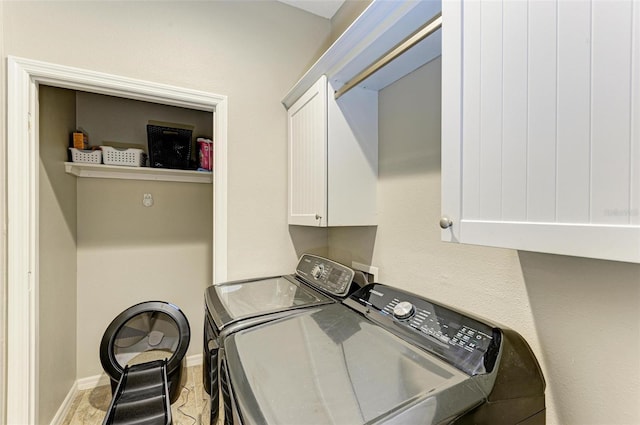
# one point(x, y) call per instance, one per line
point(518, 392)
point(121, 330)
point(210, 372)
point(169, 147)
point(462, 341)
point(142, 396)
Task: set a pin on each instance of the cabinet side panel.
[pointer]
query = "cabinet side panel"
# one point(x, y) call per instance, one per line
point(352, 152)
point(610, 105)
point(635, 118)
point(491, 110)
point(451, 116)
point(574, 93)
point(541, 167)
point(514, 123)
point(471, 96)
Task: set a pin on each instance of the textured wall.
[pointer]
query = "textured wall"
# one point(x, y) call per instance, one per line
point(347, 13)
point(580, 316)
point(3, 242)
point(250, 51)
point(113, 119)
point(128, 253)
point(57, 252)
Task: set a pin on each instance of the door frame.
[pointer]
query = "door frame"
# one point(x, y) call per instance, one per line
point(22, 158)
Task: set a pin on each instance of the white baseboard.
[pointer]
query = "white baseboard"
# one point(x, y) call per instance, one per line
point(102, 379)
point(92, 382)
point(65, 407)
point(195, 360)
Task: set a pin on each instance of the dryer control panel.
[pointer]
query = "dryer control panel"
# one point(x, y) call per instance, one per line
point(464, 342)
point(325, 274)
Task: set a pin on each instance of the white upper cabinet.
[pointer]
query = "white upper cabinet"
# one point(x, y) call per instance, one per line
point(333, 143)
point(333, 157)
point(307, 120)
point(541, 126)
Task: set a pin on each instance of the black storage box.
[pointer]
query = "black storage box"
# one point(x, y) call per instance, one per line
point(169, 147)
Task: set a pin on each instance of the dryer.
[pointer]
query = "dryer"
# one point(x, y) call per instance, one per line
point(232, 306)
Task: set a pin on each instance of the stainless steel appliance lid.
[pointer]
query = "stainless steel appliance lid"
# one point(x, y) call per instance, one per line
point(230, 302)
point(330, 365)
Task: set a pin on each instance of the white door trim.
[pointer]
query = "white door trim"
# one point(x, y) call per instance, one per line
point(24, 76)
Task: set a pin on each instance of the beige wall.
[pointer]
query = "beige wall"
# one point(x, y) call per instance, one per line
point(253, 52)
point(250, 51)
point(581, 316)
point(57, 253)
point(110, 120)
point(347, 13)
point(129, 253)
point(3, 246)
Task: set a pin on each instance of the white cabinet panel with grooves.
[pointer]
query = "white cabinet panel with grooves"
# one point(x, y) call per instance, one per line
point(541, 126)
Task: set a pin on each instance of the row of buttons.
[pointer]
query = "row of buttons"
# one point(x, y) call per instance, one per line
point(432, 326)
point(466, 338)
point(330, 278)
point(389, 307)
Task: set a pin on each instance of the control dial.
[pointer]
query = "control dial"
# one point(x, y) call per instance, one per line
point(403, 310)
point(317, 271)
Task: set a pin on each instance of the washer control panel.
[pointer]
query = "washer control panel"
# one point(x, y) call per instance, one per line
point(325, 274)
point(403, 310)
point(464, 342)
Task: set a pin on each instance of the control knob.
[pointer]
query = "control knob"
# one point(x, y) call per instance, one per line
point(403, 310)
point(317, 271)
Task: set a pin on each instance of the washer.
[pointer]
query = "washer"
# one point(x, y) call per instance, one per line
point(382, 356)
point(237, 305)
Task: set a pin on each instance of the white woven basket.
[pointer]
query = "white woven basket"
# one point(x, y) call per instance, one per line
point(130, 157)
point(86, 156)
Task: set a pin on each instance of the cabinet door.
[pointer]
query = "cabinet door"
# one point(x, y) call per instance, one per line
point(307, 120)
point(541, 126)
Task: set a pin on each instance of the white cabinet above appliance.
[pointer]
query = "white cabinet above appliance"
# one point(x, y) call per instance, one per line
point(333, 111)
point(541, 126)
point(333, 157)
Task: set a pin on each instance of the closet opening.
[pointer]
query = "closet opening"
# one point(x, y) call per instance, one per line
point(86, 247)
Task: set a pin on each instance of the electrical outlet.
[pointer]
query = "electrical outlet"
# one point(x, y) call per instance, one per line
point(147, 200)
point(370, 271)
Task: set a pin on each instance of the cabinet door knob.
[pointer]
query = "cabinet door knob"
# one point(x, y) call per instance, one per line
point(445, 222)
point(318, 216)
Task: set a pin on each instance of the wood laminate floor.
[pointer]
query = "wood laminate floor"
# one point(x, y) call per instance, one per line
point(90, 406)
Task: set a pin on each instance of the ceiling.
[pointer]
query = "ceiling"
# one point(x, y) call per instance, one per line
point(324, 8)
